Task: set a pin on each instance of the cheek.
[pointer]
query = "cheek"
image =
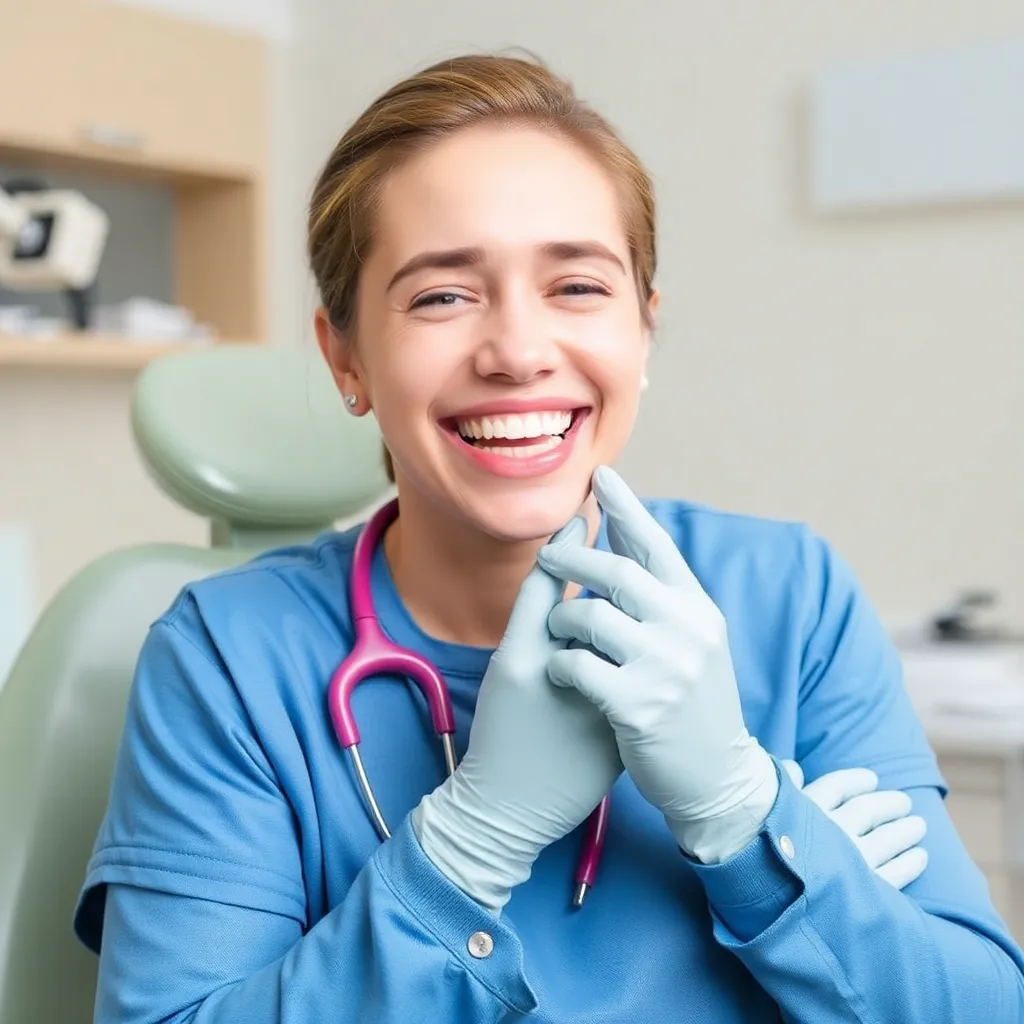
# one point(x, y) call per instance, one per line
point(406, 371)
point(613, 359)
point(402, 364)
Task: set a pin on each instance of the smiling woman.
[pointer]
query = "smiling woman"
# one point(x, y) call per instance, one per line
point(505, 268)
point(501, 273)
point(522, 110)
point(484, 248)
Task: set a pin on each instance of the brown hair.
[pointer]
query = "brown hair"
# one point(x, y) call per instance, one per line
point(443, 99)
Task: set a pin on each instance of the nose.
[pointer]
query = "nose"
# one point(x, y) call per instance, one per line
point(517, 344)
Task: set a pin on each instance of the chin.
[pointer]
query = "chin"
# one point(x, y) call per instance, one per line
point(532, 511)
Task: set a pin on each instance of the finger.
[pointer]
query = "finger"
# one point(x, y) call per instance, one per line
point(859, 815)
point(628, 586)
point(636, 534)
point(906, 868)
point(887, 841)
point(587, 647)
point(541, 591)
point(830, 790)
point(587, 672)
point(596, 623)
point(795, 772)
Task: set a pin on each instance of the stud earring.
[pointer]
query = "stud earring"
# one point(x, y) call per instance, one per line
point(351, 401)
point(644, 382)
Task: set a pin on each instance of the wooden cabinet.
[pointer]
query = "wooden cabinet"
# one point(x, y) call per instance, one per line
point(40, 50)
point(110, 89)
point(110, 82)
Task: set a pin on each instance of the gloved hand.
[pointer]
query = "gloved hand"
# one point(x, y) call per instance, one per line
point(879, 823)
point(539, 760)
point(665, 681)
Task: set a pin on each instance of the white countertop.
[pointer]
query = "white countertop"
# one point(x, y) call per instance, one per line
point(970, 696)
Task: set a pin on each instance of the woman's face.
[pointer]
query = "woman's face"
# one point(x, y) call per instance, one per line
point(499, 337)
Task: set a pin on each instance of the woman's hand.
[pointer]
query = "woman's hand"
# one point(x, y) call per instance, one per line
point(654, 658)
point(540, 758)
point(879, 823)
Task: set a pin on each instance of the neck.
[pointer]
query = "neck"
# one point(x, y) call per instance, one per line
point(458, 584)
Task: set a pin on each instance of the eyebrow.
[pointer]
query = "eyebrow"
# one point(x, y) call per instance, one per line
point(565, 251)
point(454, 259)
point(443, 259)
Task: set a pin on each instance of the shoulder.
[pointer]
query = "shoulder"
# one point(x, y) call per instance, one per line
point(820, 677)
point(302, 586)
point(254, 644)
point(701, 524)
point(235, 673)
point(764, 556)
point(226, 706)
point(775, 580)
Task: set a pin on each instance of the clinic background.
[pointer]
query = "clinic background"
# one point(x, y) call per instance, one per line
point(863, 374)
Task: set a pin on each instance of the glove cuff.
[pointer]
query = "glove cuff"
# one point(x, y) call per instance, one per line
point(716, 838)
point(464, 843)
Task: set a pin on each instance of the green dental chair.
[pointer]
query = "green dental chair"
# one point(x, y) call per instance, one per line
point(255, 439)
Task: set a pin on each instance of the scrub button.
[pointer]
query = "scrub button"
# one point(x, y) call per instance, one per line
point(787, 847)
point(480, 945)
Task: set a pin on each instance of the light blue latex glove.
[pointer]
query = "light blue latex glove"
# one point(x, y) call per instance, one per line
point(539, 760)
point(878, 822)
point(666, 681)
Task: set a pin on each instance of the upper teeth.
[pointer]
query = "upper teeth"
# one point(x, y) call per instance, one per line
point(531, 424)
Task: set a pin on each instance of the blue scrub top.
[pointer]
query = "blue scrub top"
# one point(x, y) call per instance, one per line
point(237, 876)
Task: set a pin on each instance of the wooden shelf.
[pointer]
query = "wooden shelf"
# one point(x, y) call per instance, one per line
point(123, 93)
point(29, 151)
point(89, 351)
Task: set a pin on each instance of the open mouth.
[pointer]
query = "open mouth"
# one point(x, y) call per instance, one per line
point(518, 435)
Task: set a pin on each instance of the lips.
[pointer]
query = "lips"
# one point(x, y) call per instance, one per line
point(518, 443)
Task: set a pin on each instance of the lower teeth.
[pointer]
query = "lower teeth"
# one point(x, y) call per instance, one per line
point(521, 451)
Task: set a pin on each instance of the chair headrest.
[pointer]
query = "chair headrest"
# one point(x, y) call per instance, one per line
point(256, 436)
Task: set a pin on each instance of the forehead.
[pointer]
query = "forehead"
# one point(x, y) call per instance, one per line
point(500, 188)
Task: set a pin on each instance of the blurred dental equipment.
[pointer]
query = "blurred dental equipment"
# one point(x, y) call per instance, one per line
point(146, 320)
point(51, 240)
point(964, 673)
point(137, 320)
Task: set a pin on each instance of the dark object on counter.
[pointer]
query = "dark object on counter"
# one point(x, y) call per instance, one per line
point(959, 621)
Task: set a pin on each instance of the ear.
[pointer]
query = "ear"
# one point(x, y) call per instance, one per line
point(653, 303)
point(339, 354)
point(652, 315)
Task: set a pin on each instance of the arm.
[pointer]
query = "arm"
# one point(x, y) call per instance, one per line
point(878, 822)
point(790, 893)
point(397, 944)
point(830, 941)
point(199, 863)
point(854, 947)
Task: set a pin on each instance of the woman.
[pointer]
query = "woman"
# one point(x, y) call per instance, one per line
point(484, 249)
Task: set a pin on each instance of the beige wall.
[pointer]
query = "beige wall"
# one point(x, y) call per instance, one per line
point(865, 376)
point(70, 473)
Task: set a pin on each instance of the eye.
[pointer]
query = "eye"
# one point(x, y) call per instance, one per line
point(583, 288)
point(437, 299)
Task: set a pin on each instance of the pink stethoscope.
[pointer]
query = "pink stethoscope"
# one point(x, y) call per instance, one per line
point(374, 654)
